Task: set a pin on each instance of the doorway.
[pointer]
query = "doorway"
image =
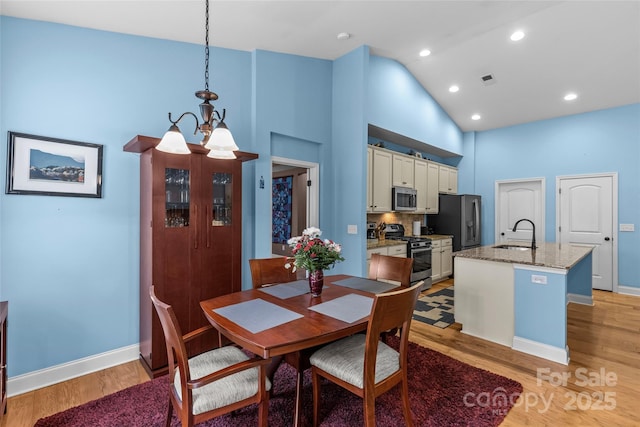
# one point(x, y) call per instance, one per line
point(586, 214)
point(517, 199)
point(294, 201)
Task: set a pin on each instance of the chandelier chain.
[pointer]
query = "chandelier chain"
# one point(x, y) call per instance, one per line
point(206, 48)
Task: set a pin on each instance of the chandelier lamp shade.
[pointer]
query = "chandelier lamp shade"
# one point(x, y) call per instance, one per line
point(215, 134)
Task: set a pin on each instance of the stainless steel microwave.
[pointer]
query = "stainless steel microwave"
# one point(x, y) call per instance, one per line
point(403, 199)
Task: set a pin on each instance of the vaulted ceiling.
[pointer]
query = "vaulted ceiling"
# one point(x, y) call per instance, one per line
point(590, 48)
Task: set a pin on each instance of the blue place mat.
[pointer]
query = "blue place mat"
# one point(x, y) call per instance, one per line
point(348, 308)
point(257, 315)
point(366, 285)
point(287, 290)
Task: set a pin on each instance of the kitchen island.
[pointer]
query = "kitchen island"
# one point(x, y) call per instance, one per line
point(518, 297)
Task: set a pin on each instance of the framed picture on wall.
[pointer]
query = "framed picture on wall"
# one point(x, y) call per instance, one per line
point(53, 167)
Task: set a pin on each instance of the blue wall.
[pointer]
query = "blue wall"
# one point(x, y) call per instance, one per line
point(397, 102)
point(292, 119)
point(596, 142)
point(70, 266)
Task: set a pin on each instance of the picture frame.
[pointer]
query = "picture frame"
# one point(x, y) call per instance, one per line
point(41, 165)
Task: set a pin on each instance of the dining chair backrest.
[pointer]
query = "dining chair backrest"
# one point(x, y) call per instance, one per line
point(267, 271)
point(396, 269)
point(225, 379)
point(392, 310)
point(342, 361)
point(176, 348)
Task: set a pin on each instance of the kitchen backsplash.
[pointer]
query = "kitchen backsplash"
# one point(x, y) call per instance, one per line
point(405, 219)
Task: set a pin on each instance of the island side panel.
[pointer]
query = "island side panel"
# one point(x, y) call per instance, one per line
point(541, 304)
point(580, 282)
point(483, 299)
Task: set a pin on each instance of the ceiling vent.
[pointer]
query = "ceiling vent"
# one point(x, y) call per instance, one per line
point(488, 79)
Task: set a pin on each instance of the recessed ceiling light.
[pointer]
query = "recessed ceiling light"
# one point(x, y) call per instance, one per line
point(425, 52)
point(454, 89)
point(475, 117)
point(570, 97)
point(518, 35)
point(343, 36)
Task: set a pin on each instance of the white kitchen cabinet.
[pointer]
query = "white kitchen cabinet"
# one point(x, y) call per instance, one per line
point(421, 185)
point(436, 261)
point(369, 178)
point(398, 251)
point(447, 259)
point(448, 180)
point(403, 171)
point(380, 180)
point(433, 172)
point(441, 259)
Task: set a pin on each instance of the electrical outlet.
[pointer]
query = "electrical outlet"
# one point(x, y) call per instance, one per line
point(536, 278)
point(352, 229)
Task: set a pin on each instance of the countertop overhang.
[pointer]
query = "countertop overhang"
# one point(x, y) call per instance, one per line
point(550, 255)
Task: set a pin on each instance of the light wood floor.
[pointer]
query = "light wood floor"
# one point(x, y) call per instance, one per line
point(604, 341)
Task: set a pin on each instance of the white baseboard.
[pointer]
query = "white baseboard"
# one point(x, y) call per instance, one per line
point(546, 351)
point(580, 299)
point(66, 371)
point(629, 290)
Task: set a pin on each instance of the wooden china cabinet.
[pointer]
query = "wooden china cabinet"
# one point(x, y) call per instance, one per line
point(190, 238)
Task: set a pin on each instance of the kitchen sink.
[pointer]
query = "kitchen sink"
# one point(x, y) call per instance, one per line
point(513, 247)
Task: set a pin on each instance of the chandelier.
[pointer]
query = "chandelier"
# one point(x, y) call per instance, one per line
point(216, 138)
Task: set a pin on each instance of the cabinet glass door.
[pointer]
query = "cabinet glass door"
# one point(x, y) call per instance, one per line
point(222, 199)
point(177, 188)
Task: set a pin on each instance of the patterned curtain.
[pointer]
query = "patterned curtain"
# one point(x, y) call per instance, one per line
point(281, 190)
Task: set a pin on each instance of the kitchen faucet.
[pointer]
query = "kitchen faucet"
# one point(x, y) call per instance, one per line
point(533, 239)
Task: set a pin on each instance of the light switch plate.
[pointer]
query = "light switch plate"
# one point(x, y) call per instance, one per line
point(352, 229)
point(627, 227)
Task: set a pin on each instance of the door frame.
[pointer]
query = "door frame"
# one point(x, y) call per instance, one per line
point(313, 192)
point(499, 183)
point(614, 214)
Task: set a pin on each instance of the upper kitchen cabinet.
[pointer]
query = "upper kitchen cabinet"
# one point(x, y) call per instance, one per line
point(379, 180)
point(433, 176)
point(190, 238)
point(421, 184)
point(403, 171)
point(448, 180)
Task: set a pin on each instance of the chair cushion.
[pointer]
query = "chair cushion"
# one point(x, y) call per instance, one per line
point(225, 391)
point(344, 359)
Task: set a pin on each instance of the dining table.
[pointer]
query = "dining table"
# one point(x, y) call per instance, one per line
point(285, 319)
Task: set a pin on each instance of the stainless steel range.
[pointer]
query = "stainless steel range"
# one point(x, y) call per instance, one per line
point(418, 248)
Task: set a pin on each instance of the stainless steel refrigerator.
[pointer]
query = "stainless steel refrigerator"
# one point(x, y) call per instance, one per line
point(459, 216)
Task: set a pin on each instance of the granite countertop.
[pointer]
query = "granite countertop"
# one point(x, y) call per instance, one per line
point(438, 236)
point(551, 255)
point(375, 243)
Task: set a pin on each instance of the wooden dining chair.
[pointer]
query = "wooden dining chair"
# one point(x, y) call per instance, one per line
point(363, 364)
point(395, 269)
point(212, 383)
point(268, 271)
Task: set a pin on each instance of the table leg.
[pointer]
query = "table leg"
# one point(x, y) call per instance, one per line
point(296, 360)
point(297, 421)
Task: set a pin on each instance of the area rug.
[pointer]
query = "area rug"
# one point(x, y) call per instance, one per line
point(443, 392)
point(435, 309)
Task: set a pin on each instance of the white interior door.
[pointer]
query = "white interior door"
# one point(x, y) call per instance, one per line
point(586, 218)
point(517, 200)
